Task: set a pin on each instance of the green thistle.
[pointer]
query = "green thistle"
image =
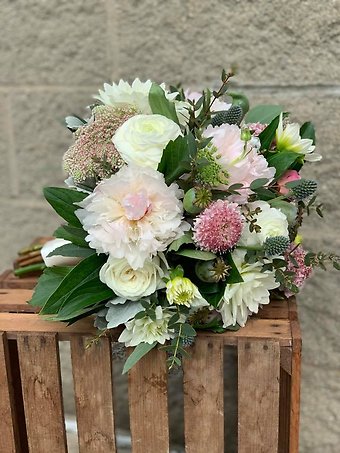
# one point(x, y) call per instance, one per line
point(232, 116)
point(276, 245)
point(304, 188)
point(188, 341)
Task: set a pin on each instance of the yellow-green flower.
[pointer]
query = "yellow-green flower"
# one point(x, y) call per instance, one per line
point(288, 139)
point(181, 291)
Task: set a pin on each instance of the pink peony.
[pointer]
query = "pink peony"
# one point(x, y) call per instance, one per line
point(218, 228)
point(302, 272)
point(133, 215)
point(289, 176)
point(242, 161)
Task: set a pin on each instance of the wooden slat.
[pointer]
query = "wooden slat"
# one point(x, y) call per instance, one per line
point(284, 414)
point(295, 389)
point(92, 376)
point(148, 404)
point(41, 387)
point(8, 429)
point(258, 396)
point(9, 280)
point(203, 397)
point(14, 300)
point(277, 309)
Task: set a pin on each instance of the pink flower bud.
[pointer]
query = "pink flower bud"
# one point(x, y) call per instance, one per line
point(289, 176)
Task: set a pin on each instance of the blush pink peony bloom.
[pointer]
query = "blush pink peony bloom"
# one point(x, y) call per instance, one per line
point(289, 176)
point(218, 228)
point(133, 215)
point(302, 272)
point(242, 161)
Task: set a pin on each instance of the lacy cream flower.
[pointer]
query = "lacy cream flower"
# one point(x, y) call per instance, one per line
point(142, 139)
point(242, 299)
point(147, 330)
point(133, 215)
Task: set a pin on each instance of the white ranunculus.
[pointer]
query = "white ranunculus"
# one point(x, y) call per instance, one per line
point(147, 330)
point(272, 222)
point(129, 283)
point(57, 260)
point(142, 139)
point(242, 299)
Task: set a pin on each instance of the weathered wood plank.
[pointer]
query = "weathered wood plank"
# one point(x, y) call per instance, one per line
point(9, 433)
point(258, 396)
point(92, 376)
point(9, 280)
point(284, 414)
point(203, 397)
point(148, 404)
point(295, 388)
point(277, 309)
point(41, 387)
point(15, 300)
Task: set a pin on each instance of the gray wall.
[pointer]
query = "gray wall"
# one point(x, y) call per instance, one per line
point(56, 53)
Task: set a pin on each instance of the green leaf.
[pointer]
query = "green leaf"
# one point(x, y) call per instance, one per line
point(176, 244)
point(75, 235)
point(257, 183)
point(140, 351)
point(307, 130)
point(47, 284)
point(197, 254)
point(160, 104)
point(288, 209)
point(268, 134)
point(282, 161)
point(62, 201)
point(264, 194)
point(72, 250)
point(234, 274)
point(188, 330)
point(263, 113)
point(175, 159)
point(241, 100)
point(84, 271)
point(214, 298)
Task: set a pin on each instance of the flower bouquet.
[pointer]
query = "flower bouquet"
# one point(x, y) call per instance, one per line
point(181, 213)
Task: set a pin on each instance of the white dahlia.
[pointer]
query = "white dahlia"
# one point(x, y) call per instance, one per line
point(272, 222)
point(242, 299)
point(148, 330)
point(142, 139)
point(133, 215)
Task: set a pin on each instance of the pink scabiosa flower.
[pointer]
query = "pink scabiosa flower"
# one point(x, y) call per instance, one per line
point(133, 215)
point(289, 176)
point(302, 272)
point(256, 128)
point(93, 155)
point(218, 228)
point(240, 159)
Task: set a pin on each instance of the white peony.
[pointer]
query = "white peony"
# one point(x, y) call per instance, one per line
point(142, 139)
point(129, 283)
point(242, 299)
point(133, 215)
point(272, 222)
point(147, 330)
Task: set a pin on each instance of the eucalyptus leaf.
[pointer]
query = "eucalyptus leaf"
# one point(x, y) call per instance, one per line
point(177, 243)
point(121, 313)
point(257, 183)
point(160, 104)
point(288, 209)
point(63, 202)
point(263, 113)
point(140, 351)
point(197, 254)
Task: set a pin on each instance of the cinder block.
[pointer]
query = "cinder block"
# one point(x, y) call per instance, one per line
point(53, 42)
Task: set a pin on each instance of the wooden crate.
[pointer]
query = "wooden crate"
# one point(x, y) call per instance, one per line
point(31, 409)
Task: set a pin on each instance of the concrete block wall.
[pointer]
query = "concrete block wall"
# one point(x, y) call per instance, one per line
point(55, 54)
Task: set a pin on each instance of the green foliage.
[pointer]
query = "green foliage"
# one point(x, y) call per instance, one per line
point(63, 202)
point(160, 104)
point(48, 283)
point(73, 234)
point(140, 351)
point(268, 134)
point(282, 161)
point(241, 100)
point(288, 209)
point(321, 259)
point(177, 244)
point(72, 250)
point(263, 113)
point(307, 130)
point(197, 254)
point(175, 160)
point(257, 183)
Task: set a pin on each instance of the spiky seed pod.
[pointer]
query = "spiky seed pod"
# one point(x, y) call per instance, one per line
point(188, 341)
point(232, 116)
point(305, 189)
point(118, 351)
point(276, 245)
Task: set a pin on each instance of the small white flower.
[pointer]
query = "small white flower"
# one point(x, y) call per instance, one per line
point(181, 291)
point(242, 299)
point(129, 283)
point(142, 139)
point(288, 139)
point(147, 330)
point(271, 221)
